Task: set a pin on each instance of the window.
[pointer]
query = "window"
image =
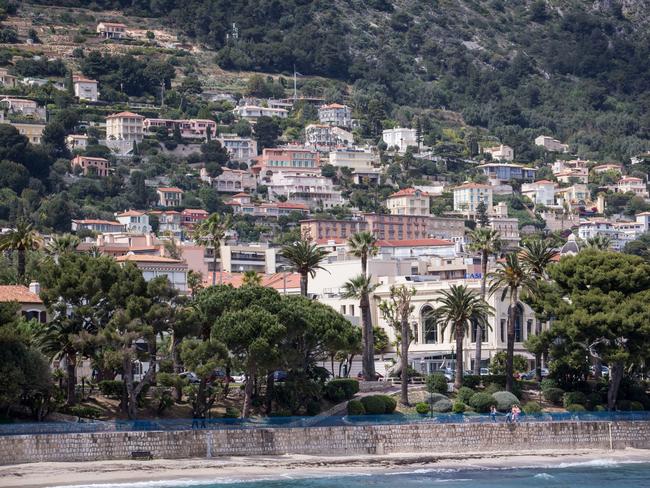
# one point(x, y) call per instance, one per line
point(503, 330)
point(351, 309)
point(519, 318)
point(475, 330)
point(342, 309)
point(429, 325)
point(529, 327)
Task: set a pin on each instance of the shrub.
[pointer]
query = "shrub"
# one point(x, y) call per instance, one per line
point(442, 406)
point(600, 408)
point(85, 412)
point(553, 395)
point(624, 405)
point(437, 383)
point(435, 397)
point(335, 394)
point(532, 408)
point(390, 403)
point(348, 386)
point(593, 399)
point(499, 379)
point(355, 407)
point(422, 408)
point(471, 381)
point(548, 383)
point(481, 402)
point(505, 400)
point(313, 408)
point(111, 388)
point(576, 408)
point(464, 394)
point(574, 398)
point(636, 406)
point(232, 413)
point(458, 407)
point(492, 388)
point(374, 405)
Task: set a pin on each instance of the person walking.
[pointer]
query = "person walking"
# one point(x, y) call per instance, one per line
point(493, 413)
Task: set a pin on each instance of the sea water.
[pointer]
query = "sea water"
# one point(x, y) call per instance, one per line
point(590, 474)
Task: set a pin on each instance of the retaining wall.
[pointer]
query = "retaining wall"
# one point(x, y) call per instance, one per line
point(376, 439)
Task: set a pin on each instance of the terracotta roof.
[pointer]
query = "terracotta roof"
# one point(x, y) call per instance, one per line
point(301, 206)
point(194, 211)
point(415, 243)
point(629, 179)
point(131, 213)
point(18, 293)
point(147, 258)
point(544, 182)
point(96, 221)
point(242, 194)
point(471, 185)
point(408, 191)
point(88, 158)
point(333, 105)
point(170, 189)
point(333, 240)
point(83, 79)
point(124, 114)
point(275, 281)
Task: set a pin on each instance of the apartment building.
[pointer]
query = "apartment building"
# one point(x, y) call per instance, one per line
point(312, 190)
point(241, 149)
point(230, 180)
point(409, 201)
point(188, 128)
point(541, 192)
point(335, 114)
point(551, 145)
point(499, 173)
point(169, 196)
point(400, 137)
point(125, 126)
point(500, 152)
point(254, 112)
point(294, 159)
point(243, 204)
point(91, 166)
point(98, 225)
point(326, 137)
point(468, 195)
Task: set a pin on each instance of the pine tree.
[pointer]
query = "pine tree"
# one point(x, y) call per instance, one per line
point(482, 217)
point(69, 83)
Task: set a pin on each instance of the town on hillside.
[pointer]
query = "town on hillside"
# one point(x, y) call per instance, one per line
point(160, 222)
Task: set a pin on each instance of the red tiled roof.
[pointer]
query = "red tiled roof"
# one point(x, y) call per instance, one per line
point(147, 258)
point(545, 182)
point(629, 179)
point(471, 185)
point(334, 240)
point(125, 114)
point(18, 293)
point(96, 221)
point(301, 206)
point(333, 105)
point(408, 191)
point(242, 194)
point(275, 281)
point(170, 189)
point(83, 79)
point(131, 213)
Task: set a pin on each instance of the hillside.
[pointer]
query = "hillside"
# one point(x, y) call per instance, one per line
point(575, 69)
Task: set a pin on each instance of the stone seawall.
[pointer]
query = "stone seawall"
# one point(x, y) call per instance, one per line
point(375, 439)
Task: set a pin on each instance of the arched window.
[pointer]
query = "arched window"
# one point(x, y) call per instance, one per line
point(474, 329)
point(519, 321)
point(429, 325)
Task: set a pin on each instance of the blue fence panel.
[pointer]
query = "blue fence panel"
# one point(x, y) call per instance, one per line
point(36, 428)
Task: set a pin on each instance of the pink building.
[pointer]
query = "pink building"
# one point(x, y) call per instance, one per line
point(91, 166)
point(189, 128)
point(190, 217)
point(242, 204)
point(287, 159)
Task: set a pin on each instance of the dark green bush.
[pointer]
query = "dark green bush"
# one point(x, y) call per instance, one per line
point(390, 403)
point(505, 400)
point(435, 397)
point(422, 408)
point(548, 383)
point(593, 399)
point(232, 413)
point(437, 383)
point(532, 407)
point(492, 388)
point(471, 381)
point(576, 408)
point(84, 411)
point(636, 406)
point(347, 386)
point(313, 408)
point(374, 405)
point(355, 407)
point(499, 379)
point(600, 408)
point(624, 405)
point(458, 407)
point(574, 398)
point(553, 395)
point(111, 388)
point(481, 402)
point(464, 394)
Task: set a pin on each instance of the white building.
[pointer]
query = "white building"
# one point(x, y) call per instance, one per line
point(619, 233)
point(630, 184)
point(135, 222)
point(500, 152)
point(253, 112)
point(362, 162)
point(335, 114)
point(541, 192)
point(85, 88)
point(327, 137)
point(76, 141)
point(125, 126)
point(313, 190)
point(550, 144)
point(111, 30)
point(241, 149)
point(469, 195)
point(400, 138)
point(231, 180)
point(643, 218)
point(153, 266)
point(24, 107)
point(188, 128)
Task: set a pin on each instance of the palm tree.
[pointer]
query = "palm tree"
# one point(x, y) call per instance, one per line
point(305, 258)
point(21, 239)
point(61, 245)
point(211, 232)
point(360, 287)
point(535, 256)
point(511, 277)
point(459, 308)
point(487, 242)
point(252, 278)
point(599, 243)
point(363, 245)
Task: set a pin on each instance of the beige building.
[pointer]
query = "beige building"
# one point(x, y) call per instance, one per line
point(111, 30)
point(409, 201)
point(469, 195)
point(630, 184)
point(500, 152)
point(28, 299)
point(10, 81)
point(91, 166)
point(33, 132)
point(85, 88)
point(230, 180)
point(125, 126)
point(169, 196)
point(550, 144)
point(76, 141)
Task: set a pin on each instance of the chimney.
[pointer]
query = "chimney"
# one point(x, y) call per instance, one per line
point(35, 287)
point(148, 240)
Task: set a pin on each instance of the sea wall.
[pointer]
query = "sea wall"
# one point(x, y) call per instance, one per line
point(375, 439)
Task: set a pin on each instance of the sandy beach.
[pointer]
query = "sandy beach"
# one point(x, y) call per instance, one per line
point(294, 466)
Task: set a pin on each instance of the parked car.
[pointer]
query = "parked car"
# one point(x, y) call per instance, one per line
point(604, 370)
point(279, 376)
point(220, 375)
point(530, 375)
point(485, 371)
point(378, 377)
point(190, 376)
point(239, 378)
